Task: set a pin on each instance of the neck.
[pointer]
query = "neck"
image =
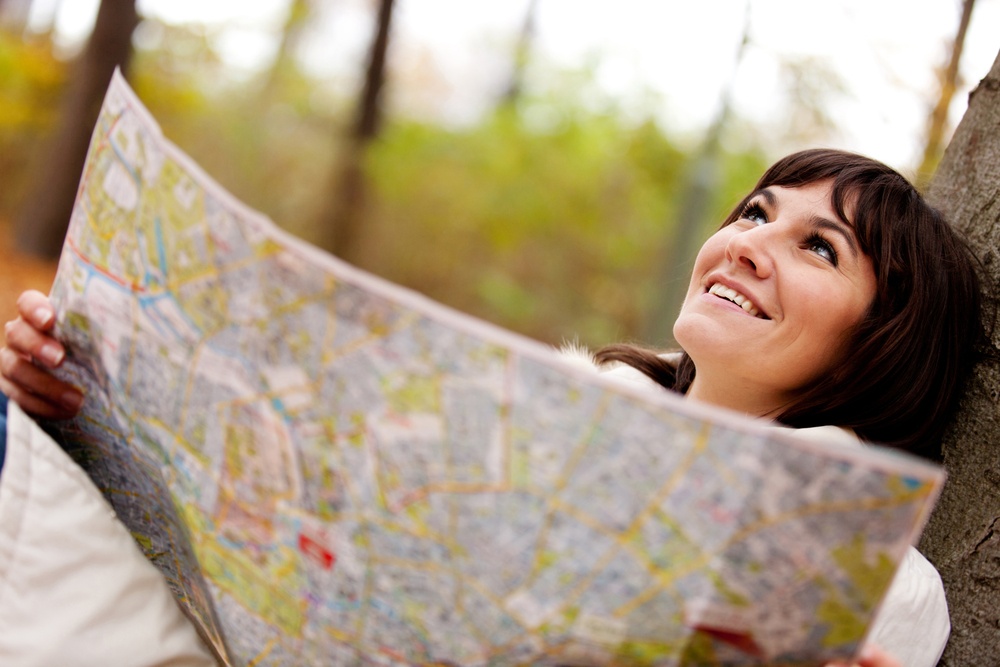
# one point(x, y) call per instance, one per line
point(734, 395)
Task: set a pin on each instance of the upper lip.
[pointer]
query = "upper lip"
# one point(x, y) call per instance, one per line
point(739, 287)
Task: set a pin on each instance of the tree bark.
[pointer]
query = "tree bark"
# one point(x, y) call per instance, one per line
point(44, 217)
point(343, 217)
point(963, 536)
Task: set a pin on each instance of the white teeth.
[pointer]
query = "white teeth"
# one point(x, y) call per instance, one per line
point(729, 293)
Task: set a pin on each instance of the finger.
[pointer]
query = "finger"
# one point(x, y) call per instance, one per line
point(34, 405)
point(25, 339)
point(36, 309)
point(29, 384)
point(873, 656)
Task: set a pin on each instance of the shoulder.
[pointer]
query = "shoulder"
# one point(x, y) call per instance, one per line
point(913, 622)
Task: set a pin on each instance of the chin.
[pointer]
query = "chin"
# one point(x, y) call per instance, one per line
point(692, 329)
point(708, 345)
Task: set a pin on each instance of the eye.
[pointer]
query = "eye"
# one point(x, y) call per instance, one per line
point(819, 245)
point(755, 213)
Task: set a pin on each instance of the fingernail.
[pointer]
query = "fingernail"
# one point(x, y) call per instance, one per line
point(43, 316)
point(72, 400)
point(52, 354)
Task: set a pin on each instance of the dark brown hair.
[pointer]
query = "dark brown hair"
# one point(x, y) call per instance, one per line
point(909, 356)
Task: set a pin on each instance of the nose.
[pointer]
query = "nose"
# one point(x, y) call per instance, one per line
point(752, 249)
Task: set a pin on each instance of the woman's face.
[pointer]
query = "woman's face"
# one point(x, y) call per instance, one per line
point(772, 299)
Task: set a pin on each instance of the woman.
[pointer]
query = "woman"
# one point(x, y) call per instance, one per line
point(834, 299)
point(831, 297)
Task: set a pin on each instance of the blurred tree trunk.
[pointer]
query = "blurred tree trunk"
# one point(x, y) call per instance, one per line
point(681, 248)
point(522, 53)
point(343, 217)
point(299, 13)
point(43, 219)
point(947, 76)
point(963, 536)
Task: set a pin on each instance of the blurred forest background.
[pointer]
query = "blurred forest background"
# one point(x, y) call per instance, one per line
point(557, 210)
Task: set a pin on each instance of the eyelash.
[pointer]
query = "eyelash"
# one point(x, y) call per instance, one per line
point(753, 209)
point(815, 240)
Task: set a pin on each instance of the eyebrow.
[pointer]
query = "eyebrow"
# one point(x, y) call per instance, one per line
point(840, 227)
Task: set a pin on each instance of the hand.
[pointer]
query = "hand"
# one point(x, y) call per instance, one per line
point(871, 656)
point(32, 385)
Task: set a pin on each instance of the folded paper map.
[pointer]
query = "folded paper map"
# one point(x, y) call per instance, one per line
point(330, 469)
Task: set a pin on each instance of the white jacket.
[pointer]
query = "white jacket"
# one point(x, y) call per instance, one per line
point(74, 587)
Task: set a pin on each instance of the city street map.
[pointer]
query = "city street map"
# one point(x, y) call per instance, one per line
point(333, 470)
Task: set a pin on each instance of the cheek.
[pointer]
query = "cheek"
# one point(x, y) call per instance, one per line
point(711, 254)
point(827, 324)
point(822, 317)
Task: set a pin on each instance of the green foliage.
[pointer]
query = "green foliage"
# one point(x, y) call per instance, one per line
point(554, 232)
point(32, 81)
point(32, 78)
point(551, 232)
point(544, 231)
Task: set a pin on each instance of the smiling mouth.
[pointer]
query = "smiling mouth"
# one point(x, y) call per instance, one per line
point(729, 294)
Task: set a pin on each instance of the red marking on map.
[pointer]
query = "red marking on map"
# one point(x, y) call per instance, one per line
point(740, 640)
point(316, 552)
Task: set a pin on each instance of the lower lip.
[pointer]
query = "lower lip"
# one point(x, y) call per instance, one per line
point(719, 302)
